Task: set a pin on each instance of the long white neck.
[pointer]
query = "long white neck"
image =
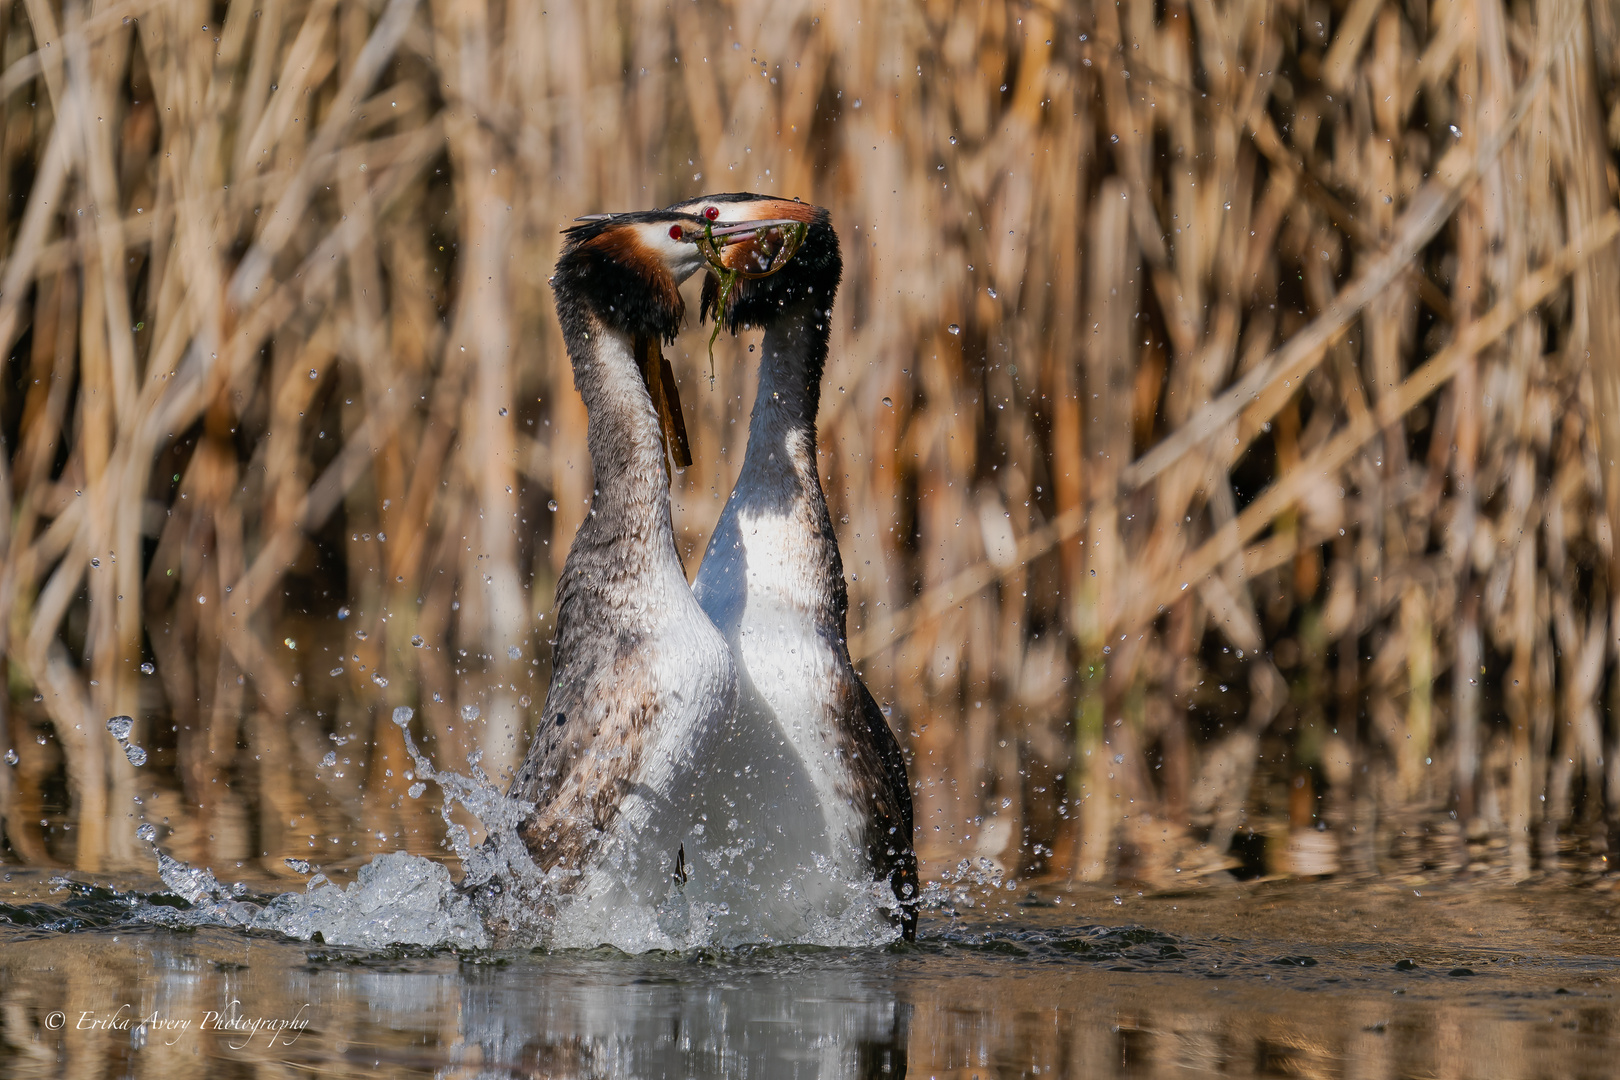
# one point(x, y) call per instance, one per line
point(778, 494)
point(782, 430)
point(628, 532)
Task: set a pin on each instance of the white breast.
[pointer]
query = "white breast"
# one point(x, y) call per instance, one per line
point(808, 836)
point(751, 793)
point(622, 898)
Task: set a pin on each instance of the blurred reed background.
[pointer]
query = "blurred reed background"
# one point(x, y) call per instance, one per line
point(1223, 425)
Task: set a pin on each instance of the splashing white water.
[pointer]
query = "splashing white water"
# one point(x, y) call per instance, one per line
point(397, 899)
point(505, 900)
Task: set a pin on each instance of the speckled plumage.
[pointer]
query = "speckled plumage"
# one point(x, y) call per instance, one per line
point(773, 582)
point(639, 672)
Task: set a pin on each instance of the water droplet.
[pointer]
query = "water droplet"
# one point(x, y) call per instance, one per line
point(329, 760)
point(1456, 132)
point(40, 739)
point(416, 639)
point(503, 410)
point(1226, 206)
point(992, 293)
point(147, 832)
point(314, 374)
point(298, 865)
point(120, 728)
point(889, 402)
point(953, 329)
point(290, 643)
point(202, 599)
point(95, 562)
point(11, 757)
point(551, 504)
point(379, 680)
point(335, 671)
point(239, 889)
point(953, 140)
point(1113, 138)
point(361, 634)
point(343, 613)
point(514, 653)
point(469, 712)
point(148, 668)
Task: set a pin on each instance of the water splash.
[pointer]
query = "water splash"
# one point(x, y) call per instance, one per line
point(476, 793)
point(971, 882)
point(513, 895)
point(505, 900)
point(397, 899)
point(561, 908)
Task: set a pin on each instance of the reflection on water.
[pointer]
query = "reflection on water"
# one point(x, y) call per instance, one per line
point(1262, 980)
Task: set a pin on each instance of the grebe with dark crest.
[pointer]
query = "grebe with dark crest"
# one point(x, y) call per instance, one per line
point(642, 683)
point(829, 788)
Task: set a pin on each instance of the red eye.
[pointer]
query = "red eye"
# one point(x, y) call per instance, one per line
point(675, 232)
point(712, 213)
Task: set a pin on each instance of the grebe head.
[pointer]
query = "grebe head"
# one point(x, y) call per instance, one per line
point(811, 273)
point(629, 267)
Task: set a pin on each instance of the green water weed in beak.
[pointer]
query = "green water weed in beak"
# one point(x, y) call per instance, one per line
point(792, 236)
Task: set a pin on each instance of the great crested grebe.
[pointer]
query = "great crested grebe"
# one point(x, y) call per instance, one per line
point(642, 683)
point(831, 791)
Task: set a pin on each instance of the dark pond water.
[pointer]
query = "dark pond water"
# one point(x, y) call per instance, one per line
point(1301, 979)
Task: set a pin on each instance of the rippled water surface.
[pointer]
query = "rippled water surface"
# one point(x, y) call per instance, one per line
point(1326, 979)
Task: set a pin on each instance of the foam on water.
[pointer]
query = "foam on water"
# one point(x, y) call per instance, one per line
point(505, 900)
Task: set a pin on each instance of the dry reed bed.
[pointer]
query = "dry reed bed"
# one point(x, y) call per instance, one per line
point(1215, 427)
